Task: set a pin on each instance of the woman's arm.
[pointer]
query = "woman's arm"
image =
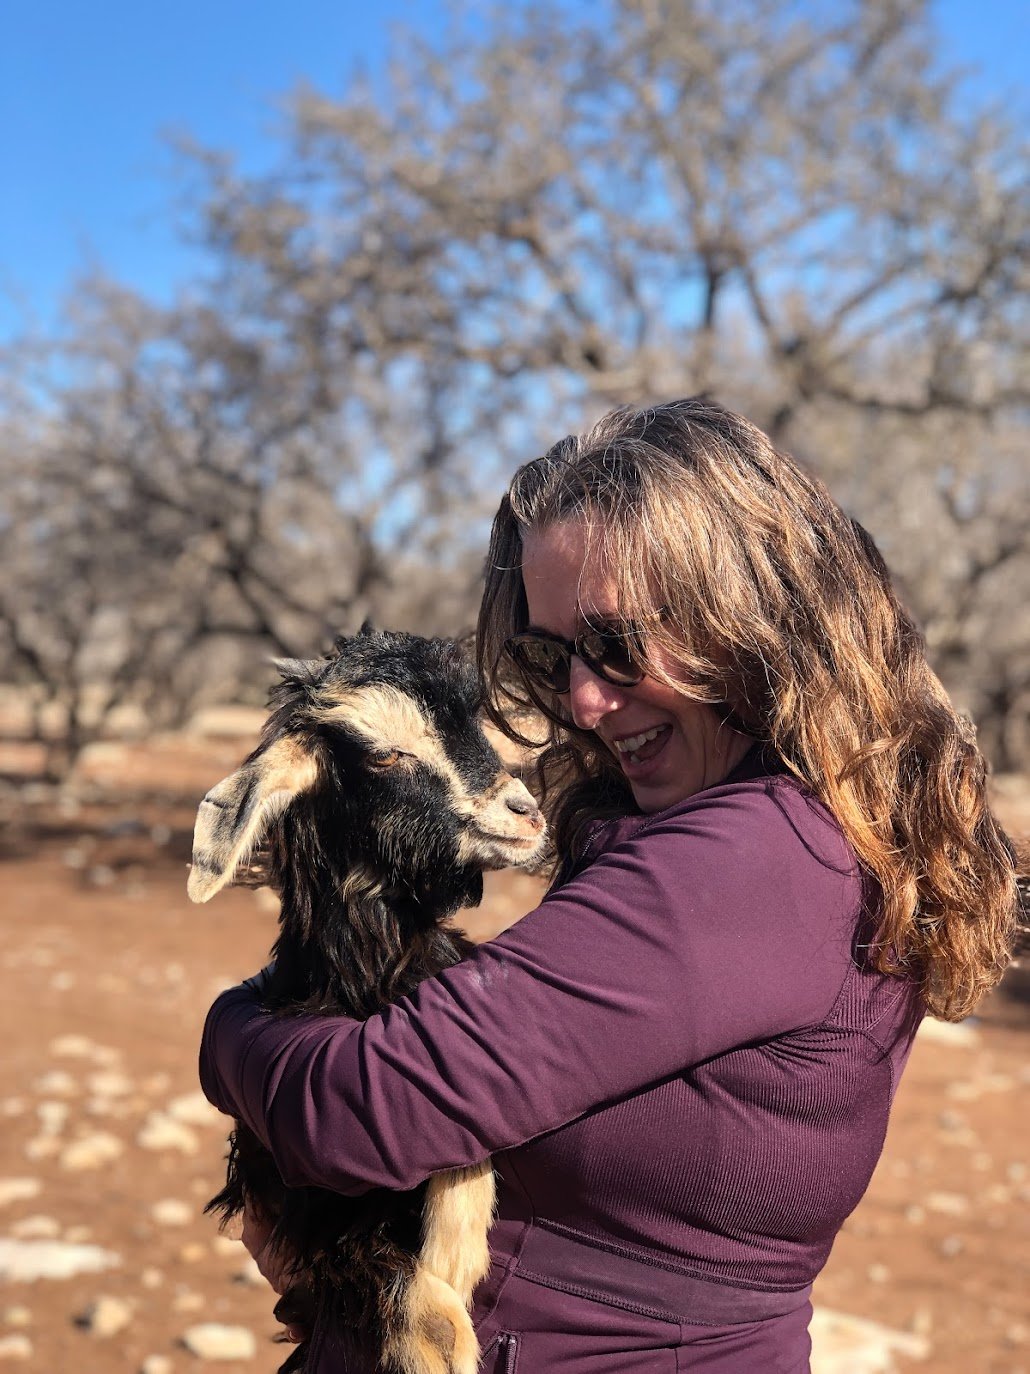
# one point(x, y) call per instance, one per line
point(720, 924)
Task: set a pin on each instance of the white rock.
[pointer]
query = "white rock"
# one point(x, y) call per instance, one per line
point(162, 1132)
point(91, 1151)
point(52, 1116)
point(151, 1278)
point(156, 1364)
point(170, 1211)
point(24, 1261)
point(948, 1204)
point(959, 1035)
point(78, 1234)
point(226, 1245)
point(56, 1083)
point(109, 1083)
point(13, 1106)
point(18, 1189)
point(109, 1106)
point(195, 1110)
point(212, 1341)
point(189, 1301)
point(72, 1047)
point(36, 1227)
point(81, 1047)
point(193, 1252)
point(42, 1147)
point(105, 1316)
point(15, 1348)
point(850, 1345)
point(16, 1316)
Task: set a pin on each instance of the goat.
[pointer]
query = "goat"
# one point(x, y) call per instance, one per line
point(378, 802)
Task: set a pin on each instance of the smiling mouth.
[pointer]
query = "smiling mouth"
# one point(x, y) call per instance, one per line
point(640, 748)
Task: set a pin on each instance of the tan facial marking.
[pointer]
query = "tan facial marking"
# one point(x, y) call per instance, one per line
point(390, 721)
point(385, 718)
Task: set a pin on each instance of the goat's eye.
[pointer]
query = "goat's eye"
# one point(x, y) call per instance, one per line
point(386, 758)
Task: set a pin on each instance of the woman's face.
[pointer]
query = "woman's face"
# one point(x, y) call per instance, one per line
point(688, 748)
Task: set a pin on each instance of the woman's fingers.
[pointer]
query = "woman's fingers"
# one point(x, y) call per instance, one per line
point(257, 1236)
point(256, 1232)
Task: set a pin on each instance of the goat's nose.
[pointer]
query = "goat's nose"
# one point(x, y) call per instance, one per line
point(521, 805)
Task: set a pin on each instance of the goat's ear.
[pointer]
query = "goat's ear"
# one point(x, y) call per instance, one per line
point(234, 816)
point(299, 672)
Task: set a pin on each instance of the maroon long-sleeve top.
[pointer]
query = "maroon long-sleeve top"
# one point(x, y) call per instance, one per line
point(683, 1050)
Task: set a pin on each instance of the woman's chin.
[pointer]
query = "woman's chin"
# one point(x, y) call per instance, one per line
point(660, 789)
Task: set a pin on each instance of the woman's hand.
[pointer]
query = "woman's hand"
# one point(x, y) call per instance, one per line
point(273, 1266)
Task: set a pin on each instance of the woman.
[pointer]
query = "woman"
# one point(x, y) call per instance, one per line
point(774, 853)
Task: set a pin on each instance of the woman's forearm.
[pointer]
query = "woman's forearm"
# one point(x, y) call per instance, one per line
point(715, 930)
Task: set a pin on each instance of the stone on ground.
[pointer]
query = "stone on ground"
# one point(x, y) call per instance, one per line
point(105, 1316)
point(25, 1261)
point(852, 1345)
point(213, 1341)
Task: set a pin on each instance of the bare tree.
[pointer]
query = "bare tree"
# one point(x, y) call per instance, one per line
point(552, 210)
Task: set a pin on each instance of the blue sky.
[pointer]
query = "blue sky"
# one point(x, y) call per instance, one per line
point(89, 89)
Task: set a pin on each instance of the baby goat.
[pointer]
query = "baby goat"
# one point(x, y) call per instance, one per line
point(378, 802)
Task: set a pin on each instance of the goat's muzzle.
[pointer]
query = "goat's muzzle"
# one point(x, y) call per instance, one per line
point(506, 828)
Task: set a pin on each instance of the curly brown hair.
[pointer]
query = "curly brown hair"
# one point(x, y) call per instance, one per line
point(777, 609)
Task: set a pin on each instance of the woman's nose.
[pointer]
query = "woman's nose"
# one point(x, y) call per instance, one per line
point(590, 697)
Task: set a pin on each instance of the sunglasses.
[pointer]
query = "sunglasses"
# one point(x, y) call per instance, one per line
point(613, 652)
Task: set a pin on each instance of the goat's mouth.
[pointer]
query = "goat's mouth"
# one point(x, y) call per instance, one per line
point(512, 841)
point(494, 849)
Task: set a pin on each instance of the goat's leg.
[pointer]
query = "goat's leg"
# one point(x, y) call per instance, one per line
point(457, 1214)
point(437, 1336)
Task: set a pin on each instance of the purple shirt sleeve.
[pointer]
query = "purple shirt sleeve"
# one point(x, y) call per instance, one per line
point(725, 921)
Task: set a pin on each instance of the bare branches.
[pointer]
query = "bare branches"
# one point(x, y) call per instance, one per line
point(555, 211)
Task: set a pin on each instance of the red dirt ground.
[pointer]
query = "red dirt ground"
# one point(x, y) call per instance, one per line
point(100, 942)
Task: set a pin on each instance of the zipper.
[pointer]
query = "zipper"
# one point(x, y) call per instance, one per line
point(508, 1352)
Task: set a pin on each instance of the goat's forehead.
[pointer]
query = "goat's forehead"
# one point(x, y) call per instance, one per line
point(445, 736)
point(382, 714)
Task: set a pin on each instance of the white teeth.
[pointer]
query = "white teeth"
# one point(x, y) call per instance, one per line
point(635, 742)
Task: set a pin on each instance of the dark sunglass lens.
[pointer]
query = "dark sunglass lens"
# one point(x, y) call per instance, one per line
point(544, 662)
point(611, 653)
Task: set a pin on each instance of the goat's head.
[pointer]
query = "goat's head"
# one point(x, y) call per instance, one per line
point(373, 763)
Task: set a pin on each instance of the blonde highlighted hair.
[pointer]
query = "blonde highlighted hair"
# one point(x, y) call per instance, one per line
point(776, 609)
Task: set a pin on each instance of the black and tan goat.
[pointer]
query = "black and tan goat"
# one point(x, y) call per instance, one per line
point(377, 802)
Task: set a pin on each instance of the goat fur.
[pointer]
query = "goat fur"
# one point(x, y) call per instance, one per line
point(377, 802)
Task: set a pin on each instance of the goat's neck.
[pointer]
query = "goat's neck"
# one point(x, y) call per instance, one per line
point(351, 946)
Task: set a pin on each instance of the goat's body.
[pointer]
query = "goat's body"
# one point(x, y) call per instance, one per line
point(361, 925)
point(391, 1240)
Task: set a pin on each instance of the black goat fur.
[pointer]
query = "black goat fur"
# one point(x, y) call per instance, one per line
point(368, 861)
